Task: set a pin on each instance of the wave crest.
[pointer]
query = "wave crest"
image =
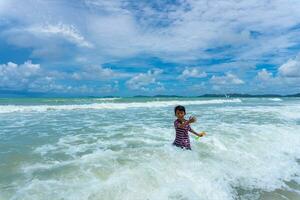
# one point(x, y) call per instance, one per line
point(111, 105)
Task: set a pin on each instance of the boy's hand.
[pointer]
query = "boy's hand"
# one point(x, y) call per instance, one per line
point(192, 119)
point(202, 134)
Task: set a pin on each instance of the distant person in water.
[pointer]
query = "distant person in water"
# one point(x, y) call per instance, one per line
point(182, 127)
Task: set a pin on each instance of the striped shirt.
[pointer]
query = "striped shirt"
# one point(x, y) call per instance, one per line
point(182, 135)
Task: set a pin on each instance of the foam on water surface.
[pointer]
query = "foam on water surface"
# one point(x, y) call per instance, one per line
point(126, 105)
point(251, 152)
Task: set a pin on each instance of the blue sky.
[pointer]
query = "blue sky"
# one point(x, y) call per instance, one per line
point(126, 47)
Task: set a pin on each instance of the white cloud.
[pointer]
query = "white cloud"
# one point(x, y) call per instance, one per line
point(141, 80)
point(107, 6)
point(198, 88)
point(68, 32)
point(267, 82)
point(3, 6)
point(28, 76)
point(179, 31)
point(32, 77)
point(109, 88)
point(184, 32)
point(228, 79)
point(97, 73)
point(18, 76)
point(159, 87)
point(291, 68)
point(264, 75)
point(192, 72)
point(46, 84)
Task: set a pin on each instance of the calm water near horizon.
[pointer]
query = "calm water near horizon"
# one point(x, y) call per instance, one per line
point(120, 148)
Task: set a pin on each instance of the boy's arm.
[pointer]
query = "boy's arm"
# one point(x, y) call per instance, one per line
point(191, 120)
point(195, 133)
point(184, 124)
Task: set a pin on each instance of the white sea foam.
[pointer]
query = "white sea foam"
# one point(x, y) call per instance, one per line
point(284, 111)
point(150, 104)
point(275, 99)
point(107, 99)
point(261, 159)
point(134, 161)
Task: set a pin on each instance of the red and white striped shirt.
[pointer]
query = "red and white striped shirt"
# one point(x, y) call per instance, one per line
point(182, 135)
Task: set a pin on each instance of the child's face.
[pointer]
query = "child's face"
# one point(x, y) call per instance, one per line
point(180, 114)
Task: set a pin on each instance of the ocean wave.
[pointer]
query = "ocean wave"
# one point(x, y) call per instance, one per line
point(221, 161)
point(111, 105)
point(107, 99)
point(275, 99)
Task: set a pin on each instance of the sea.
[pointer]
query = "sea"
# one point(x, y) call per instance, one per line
point(121, 149)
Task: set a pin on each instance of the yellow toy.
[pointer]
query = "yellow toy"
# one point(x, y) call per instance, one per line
point(201, 135)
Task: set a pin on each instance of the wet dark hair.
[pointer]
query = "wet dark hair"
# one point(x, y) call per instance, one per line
point(179, 108)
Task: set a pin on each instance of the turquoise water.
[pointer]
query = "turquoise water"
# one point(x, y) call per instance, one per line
point(120, 148)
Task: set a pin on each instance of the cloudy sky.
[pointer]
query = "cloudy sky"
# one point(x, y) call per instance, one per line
point(148, 47)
